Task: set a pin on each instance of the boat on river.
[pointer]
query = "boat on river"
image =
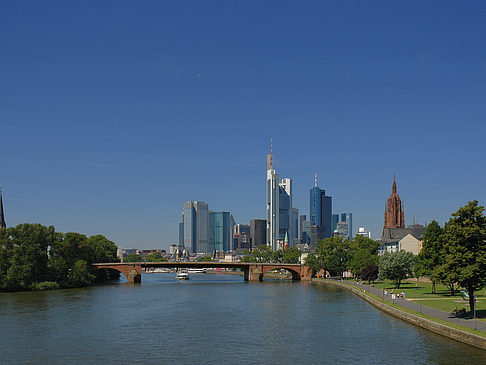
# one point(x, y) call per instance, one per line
point(182, 274)
point(196, 271)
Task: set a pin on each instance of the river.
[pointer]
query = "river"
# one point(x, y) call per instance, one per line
point(212, 319)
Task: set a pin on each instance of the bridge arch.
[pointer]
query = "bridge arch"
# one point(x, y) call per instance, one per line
point(132, 272)
point(295, 274)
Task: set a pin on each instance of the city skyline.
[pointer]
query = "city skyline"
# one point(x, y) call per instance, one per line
point(141, 114)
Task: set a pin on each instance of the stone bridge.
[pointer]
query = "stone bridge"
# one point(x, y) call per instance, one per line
point(252, 271)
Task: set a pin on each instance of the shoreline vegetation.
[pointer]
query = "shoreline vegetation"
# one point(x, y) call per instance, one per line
point(36, 257)
point(457, 332)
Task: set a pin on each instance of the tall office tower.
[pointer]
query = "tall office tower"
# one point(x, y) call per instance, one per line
point(232, 225)
point(342, 229)
point(258, 232)
point(279, 205)
point(320, 211)
point(335, 221)
point(348, 218)
point(241, 228)
point(301, 226)
point(294, 225)
point(285, 209)
point(2, 216)
point(181, 234)
point(195, 219)
point(219, 231)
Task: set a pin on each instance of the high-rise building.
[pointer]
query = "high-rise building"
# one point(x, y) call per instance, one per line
point(219, 231)
point(335, 220)
point(342, 229)
point(241, 228)
point(320, 210)
point(348, 218)
point(241, 241)
point(195, 221)
point(294, 227)
point(258, 232)
point(301, 226)
point(279, 206)
point(394, 216)
point(3, 225)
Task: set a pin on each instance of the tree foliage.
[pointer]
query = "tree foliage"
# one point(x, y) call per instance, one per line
point(133, 257)
point(363, 254)
point(430, 257)
point(33, 256)
point(370, 273)
point(155, 257)
point(264, 253)
point(464, 257)
point(396, 266)
point(333, 254)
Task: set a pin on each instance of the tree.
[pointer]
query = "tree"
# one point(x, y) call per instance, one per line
point(396, 266)
point(334, 254)
point(133, 257)
point(465, 248)
point(155, 257)
point(291, 255)
point(80, 274)
point(314, 262)
point(430, 257)
point(363, 253)
point(262, 253)
point(370, 273)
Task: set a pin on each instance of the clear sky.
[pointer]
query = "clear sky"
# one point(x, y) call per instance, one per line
point(113, 113)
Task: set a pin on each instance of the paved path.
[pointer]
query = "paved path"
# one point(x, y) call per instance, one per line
point(417, 306)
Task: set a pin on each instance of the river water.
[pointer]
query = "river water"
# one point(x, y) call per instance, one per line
point(212, 319)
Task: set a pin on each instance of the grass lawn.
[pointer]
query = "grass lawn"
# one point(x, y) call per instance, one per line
point(441, 300)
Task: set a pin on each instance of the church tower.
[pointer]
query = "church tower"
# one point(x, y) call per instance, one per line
point(394, 217)
point(2, 216)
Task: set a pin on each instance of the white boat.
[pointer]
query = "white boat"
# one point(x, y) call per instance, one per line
point(182, 275)
point(197, 271)
point(156, 270)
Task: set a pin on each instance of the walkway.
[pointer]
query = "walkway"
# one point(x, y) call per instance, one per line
point(417, 306)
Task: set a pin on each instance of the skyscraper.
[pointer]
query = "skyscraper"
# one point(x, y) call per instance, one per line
point(294, 225)
point(279, 206)
point(219, 231)
point(335, 221)
point(195, 220)
point(320, 211)
point(348, 218)
point(258, 234)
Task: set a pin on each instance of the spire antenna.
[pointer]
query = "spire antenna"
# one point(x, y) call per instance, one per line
point(315, 179)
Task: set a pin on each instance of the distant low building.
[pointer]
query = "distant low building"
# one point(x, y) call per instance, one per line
point(408, 239)
point(363, 232)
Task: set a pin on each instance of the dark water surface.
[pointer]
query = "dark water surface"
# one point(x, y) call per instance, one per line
point(212, 319)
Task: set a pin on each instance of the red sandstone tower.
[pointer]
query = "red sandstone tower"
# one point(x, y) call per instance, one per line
point(394, 217)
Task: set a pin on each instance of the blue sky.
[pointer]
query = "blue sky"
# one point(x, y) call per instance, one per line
point(112, 114)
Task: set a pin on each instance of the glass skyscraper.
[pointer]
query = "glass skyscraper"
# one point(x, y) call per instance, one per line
point(219, 231)
point(195, 230)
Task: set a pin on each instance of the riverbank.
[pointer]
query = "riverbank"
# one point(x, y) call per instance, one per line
point(446, 328)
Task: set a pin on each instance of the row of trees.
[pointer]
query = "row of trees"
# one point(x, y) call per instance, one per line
point(33, 256)
point(153, 257)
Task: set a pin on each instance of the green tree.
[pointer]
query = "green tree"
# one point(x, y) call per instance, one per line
point(334, 254)
point(28, 261)
point(396, 266)
point(314, 262)
point(155, 257)
point(133, 257)
point(262, 253)
point(430, 257)
point(291, 255)
point(363, 253)
point(6, 250)
point(80, 274)
point(465, 248)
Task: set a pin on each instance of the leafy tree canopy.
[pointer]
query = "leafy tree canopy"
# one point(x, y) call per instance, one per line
point(396, 266)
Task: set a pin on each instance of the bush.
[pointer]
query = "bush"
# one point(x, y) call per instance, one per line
point(45, 285)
